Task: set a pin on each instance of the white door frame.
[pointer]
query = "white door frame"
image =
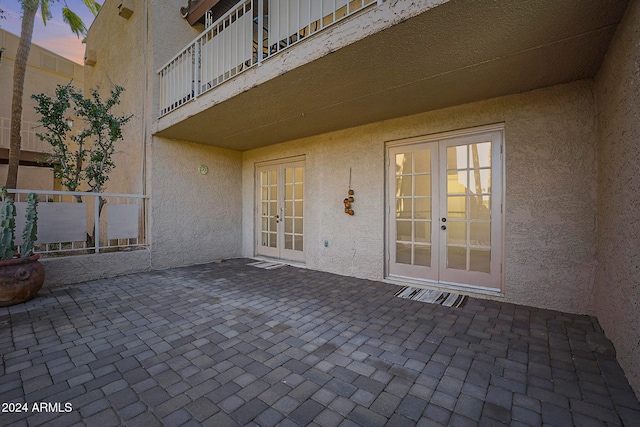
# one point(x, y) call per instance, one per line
point(438, 273)
point(283, 224)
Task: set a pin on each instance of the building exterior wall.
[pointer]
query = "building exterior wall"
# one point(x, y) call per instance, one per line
point(30, 177)
point(617, 291)
point(45, 70)
point(195, 217)
point(550, 192)
point(117, 41)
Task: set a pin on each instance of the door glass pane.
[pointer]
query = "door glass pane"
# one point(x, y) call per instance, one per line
point(403, 208)
point(457, 157)
point(298, 240)
point(457, 207)
point(265, 224)
point(403, 231)
point(480, 233)
point(480, 155)
point(457, 182)
point(272, 224)
point(480, 260)
point(273, 192)
point(422, 255)
point(403, 253)
point(265, 239)
point(265, 193)
point(288, 191)
point(299, 194)
point(456, 258)
point(288, 225)
point(288, 241)
point(457, 233)
point(423, 185)
point(288, 176)
point(298, 225)
point(264, 177)
point(273, 239)
point(403, 163)
point(422, 231)
point(403, 186)
point(273, 209)
point(480, 181)
point(423, 161)
point(273, 177)
point(422, 208)
point(288, 208)
point(480, 207)
point(298, 207)
point(299, 174)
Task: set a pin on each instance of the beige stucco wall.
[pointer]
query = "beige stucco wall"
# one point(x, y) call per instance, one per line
point(195, 218)
point(119, 41)
point(38, 79)
point(60, 271)
point(550, 192)
point(30, 177)
point(617, 292)
point(45, 70)
point(144, 44)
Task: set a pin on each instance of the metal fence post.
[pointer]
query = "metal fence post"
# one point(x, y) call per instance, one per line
point(96, 227)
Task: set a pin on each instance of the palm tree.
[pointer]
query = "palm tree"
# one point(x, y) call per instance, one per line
point(29, 9)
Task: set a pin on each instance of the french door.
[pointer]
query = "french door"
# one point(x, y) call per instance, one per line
point(280, 210)
point(445, 209)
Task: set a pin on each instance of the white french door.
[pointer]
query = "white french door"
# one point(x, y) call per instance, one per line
point(445, 209)
point(280, 210)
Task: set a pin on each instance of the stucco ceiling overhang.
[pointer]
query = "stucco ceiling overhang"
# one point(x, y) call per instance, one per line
point(459, 52)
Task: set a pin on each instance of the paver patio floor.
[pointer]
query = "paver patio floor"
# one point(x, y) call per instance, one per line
point(231, 344)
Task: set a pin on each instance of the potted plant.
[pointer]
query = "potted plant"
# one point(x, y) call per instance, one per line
point(21, 275)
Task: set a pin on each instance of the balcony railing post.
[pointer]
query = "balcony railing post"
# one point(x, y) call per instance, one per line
point(196, 70)
point(260, 35)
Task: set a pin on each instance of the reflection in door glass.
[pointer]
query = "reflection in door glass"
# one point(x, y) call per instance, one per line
point(469, 207)
point(293, 201)
point(413, 207)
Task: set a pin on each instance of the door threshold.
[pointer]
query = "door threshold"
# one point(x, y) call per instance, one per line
point(469, 289)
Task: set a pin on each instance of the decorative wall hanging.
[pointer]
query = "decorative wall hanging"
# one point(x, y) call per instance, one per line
point(349, 200)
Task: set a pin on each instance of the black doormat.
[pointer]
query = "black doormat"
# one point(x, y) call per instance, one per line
point(432, 296)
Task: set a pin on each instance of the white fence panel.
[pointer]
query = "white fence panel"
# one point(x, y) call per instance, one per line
point(122, 221)
point(57, 222)
point(68, 222)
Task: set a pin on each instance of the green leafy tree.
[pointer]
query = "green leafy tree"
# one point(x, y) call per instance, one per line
point(29, 9)
point(86, 155)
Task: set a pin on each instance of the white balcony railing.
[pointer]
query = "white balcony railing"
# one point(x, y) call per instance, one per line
point(251, 32)
point(67, 221)
point(30, 140)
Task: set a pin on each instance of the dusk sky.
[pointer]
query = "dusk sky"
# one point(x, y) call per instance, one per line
point(56, 36)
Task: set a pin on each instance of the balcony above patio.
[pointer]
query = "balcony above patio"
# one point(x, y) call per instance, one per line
point(268, 72)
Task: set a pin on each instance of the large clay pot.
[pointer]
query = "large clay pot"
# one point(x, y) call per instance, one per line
point(20, 279)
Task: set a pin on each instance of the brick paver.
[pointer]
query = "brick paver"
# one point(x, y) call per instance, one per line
point(231, 344)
